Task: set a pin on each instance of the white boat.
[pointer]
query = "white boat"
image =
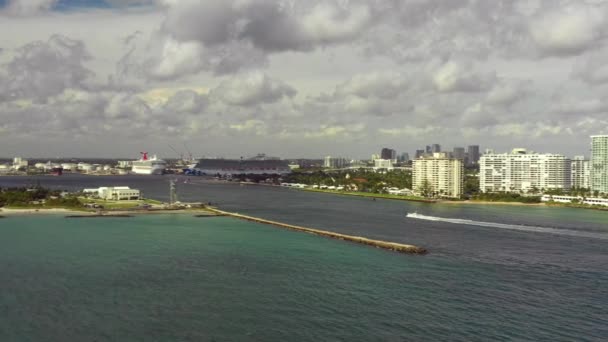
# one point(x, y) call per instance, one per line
point(420, 216)
point(148, 166)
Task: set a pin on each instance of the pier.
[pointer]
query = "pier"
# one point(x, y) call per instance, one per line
point(393, 246)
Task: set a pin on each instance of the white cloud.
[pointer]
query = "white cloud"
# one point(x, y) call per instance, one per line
point(458, 77)
point(251, 89)
point(570, 31)
point(353, 73)
point(28, 7)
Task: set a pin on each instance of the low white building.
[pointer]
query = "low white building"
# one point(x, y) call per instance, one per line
point(125, 164)
point(383, 164)
point(575, 199)
point(19, 163)
point(115, 193)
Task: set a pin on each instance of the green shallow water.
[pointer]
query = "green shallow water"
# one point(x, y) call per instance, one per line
point(179, 278)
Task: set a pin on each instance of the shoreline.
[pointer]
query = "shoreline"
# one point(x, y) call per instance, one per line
point(371, 195)
point(469, 202)
point(7, 212)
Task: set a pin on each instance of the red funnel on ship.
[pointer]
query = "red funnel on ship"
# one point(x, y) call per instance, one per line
point(144, 155)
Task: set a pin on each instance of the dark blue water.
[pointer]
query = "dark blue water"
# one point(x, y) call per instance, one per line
point(478, 283)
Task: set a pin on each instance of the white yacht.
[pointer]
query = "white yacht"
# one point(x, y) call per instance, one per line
point(148, 166)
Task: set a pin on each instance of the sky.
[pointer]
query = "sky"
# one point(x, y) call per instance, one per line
point(112, 78)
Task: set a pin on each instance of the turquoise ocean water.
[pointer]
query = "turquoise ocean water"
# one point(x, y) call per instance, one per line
point(494, 273)
point(181, 278)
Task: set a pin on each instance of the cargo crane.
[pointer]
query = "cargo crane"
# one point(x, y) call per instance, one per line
point(181, 155)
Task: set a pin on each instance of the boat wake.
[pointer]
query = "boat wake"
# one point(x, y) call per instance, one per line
point(557, 231)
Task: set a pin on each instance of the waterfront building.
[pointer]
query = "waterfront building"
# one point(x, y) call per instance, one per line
point(580, 172)
point(225, 167)
point(575, 200)
point(473, 154)
point(435, 148)
point(599, 163)
point(115, 193)
point(438, 175)
point(523, 171)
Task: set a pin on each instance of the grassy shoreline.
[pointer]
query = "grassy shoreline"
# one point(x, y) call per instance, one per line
point(6, 212)
point(372, 195)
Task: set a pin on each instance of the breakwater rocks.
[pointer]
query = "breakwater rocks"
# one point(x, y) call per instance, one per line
point(210, 215)
point(104, 215)
point(393, 246)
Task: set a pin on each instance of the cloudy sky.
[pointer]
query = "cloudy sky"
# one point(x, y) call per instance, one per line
point(300, 78)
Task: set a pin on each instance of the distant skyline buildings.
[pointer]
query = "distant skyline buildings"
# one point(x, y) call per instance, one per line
point(459, 153)
point(388, 153)
point(599, 163)
point(580, 172)
point(473, 154)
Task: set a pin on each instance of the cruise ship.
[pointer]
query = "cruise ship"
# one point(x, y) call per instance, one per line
point(148, 166)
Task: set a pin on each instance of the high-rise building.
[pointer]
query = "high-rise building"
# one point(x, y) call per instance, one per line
point(580, 175)
point(435, 148)
point(428, 149)
point(439, 175)
point(419, 153)
point(473, 154)
point(388, 153)
point(335, 163)
point(405, 157)
point(458, 153)
point(522, 171)
point(599, 163)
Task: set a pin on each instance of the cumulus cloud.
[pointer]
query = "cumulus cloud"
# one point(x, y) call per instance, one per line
point(571, 30)
point(177, 59)
point(458, 77)
point(45, 68)
point(251, 89)
point(269, 25)
point(28, 7)
point(593, 69)
point(353, 72)
point(381, 85)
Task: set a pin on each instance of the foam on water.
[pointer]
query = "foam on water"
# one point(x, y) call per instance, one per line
point(535, 229)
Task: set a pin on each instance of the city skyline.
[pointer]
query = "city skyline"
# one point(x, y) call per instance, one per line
point(93, 77)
